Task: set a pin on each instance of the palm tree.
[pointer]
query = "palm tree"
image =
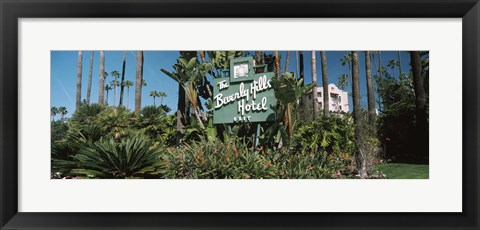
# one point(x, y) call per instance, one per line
point(392, 64)
point(370, 94)
point(399, 63)
point(53, 112)
point(343, 81)
point(380, 64)
point(314, 90)
point(296, 65)
point(63, 111)
point(287, 60)
point(347, 60)
point(301, 67)
point(326, 94)
point(162, 95)
point(154, 94)
point(277, 64)
point(357, 117)
point(128, 84)
point(122, 85)
point(114, 84)
point(139, 82)
point(101, 80)
point(115, 74)
point(78, 101)
point(107, 88)
point(420, 105)
point(89, 87)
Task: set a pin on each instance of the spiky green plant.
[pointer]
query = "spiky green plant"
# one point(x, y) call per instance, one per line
point(133, 156)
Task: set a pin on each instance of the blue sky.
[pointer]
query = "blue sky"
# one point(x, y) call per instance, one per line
point(64, 74)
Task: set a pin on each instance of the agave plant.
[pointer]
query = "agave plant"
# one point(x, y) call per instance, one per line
point(133, 156)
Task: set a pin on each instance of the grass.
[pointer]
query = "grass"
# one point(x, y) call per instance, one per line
point(403, 171)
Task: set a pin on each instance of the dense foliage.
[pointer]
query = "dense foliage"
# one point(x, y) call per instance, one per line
point(107, 142)
point(101, 141)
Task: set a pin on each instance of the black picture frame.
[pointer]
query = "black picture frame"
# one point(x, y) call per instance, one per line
point(12, 10)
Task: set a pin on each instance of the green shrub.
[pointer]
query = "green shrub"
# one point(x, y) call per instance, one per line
point(155, 122)
point(218, 160)
point(333, 135)
point(133, 156)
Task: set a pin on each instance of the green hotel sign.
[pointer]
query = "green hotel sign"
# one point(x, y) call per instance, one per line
point(243, 96)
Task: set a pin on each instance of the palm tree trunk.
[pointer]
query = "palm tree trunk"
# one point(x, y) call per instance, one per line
point(106, 101)
point(326, 94)
point(128, 96)
point(115, 95)
point(78, 101)
point(138, 83)
point(370, 95)
point(302, 68)
point(296, 65)
point(101, 81)
point(89, 87)
point(181, 112)
point(420, 107)
point(122, 86)
point(154, 102)
point(357, 117)
point(277, 64)
point(400, 64)
point(287, 61)
point(314, 81)
point(380, 64)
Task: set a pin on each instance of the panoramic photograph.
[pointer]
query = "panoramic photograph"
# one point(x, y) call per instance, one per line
point(248, 114)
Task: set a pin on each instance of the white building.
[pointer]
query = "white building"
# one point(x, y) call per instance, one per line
point(337, 98)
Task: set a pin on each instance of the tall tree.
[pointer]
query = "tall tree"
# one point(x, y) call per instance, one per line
point(122, 85)
point(115, 74)
point(357, 117)
point(347, 60)
point(89, 87)
point(154, 94)
point(343, 81)
point(138, 83)
point(162, 95)
point(78, 101)
point(296, 65)
point(277, 64)
point(392, 64)
point(370, 94)
point(107, 88)
point(101, 79)
point(421, 123)
point(399, 63)
point(301, 65)
point(63, 111)
point(287, 61)
point(53, 112)
point(314, 90)
point(128, 84)
point(326, 94)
